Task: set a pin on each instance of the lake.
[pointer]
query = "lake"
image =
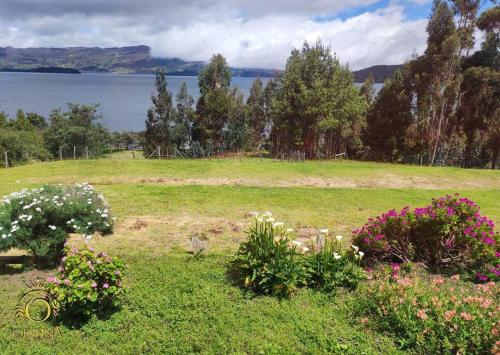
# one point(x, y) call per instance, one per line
point(124, 99)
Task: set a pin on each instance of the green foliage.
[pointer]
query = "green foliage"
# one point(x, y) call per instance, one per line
point(40, 219)
point(388, 119)
point(333, 266)
point(316, 101)
point(267, 263)
point(434, 315)
point(22, 146)
point(77, 127)
point(215, 103)
point(87, 282)
point(258, 112)
point(161, 118)
point(270, 263)
point(449, 233)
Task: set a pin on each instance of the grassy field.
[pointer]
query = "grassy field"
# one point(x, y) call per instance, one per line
point(176, 304)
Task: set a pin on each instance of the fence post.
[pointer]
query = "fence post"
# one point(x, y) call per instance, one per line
point(60, 153)
point(86, 152)
point(74, 152)
point(6, 159)
point(159, 152)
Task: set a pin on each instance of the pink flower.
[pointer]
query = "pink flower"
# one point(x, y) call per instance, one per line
point(117, 273)
point(466, 316)
point(67, 281)
point(94, 285)
point(421, 314)
point(448, 315)
point(106, 285)
point(455, 277)
point(489, 241)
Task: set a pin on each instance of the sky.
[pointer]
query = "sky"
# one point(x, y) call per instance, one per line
point(249, 33)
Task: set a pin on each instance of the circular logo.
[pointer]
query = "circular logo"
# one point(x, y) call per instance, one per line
point(37, 304)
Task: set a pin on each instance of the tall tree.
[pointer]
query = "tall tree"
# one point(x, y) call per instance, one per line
point(367, 90)
point(160, 118)
point(466, 11)
point(437, 80)
point(256, 106)
point(316, 107)
point(388, 119)
point(185, 118)
point(214, 105)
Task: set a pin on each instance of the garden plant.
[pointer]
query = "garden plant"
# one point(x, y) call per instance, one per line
point(40, 219)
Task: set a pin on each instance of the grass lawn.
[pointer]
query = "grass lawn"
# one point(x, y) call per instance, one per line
point(176, 304)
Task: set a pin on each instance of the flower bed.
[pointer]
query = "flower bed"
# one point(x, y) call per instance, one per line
point(433, 314)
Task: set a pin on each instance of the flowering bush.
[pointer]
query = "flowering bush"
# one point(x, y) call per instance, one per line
point(268, 263)
point(434, 315)
point(333, 266)
point(450, 232)
point(40, 219)
point(87, 282)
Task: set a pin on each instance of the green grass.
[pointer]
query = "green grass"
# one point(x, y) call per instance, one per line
point(175, 304)
point(178, 305)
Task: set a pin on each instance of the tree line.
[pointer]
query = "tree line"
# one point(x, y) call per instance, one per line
point(76, 131)
point(441, 108)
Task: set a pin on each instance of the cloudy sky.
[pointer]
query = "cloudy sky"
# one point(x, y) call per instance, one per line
point(249, 33)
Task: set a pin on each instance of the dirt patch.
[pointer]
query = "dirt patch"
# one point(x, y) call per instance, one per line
point(138, 225)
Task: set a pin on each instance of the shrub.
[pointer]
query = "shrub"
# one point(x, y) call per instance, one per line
point(86, 282)
point(40, 219)
point(434, 315)
point(268, 263)
point(333, 266)
point(449, 233)
point(22, 145)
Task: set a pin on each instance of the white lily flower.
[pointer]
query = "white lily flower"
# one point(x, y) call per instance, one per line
point(324, 231)
point(339, 237)
point(336, 256)
point(52, 227)
point(361, 254)
point(355, 248)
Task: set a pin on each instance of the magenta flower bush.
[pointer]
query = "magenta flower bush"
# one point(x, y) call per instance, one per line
point(87, 282)
point(448, 233)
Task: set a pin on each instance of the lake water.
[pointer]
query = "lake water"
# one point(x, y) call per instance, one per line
point(124, 99)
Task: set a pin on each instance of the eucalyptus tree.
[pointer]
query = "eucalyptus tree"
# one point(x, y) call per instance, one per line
point(160, 118)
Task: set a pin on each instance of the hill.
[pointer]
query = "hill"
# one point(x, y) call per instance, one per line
point(380, 73)
point(132, 60)
point(127, 60)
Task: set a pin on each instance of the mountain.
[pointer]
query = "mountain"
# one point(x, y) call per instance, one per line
point(380, 73)
point(132, 60)
point(127, 60)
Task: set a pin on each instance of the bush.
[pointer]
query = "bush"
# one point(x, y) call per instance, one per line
point(449, 233)
point(268, 263)
point(22, 145)
point(86, 282)
point(40, 219)
point(434, 315)
point(333, 266)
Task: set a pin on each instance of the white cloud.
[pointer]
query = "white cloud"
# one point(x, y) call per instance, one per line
point(250, 34)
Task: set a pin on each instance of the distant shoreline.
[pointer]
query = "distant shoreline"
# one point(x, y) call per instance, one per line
point(50, 70)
